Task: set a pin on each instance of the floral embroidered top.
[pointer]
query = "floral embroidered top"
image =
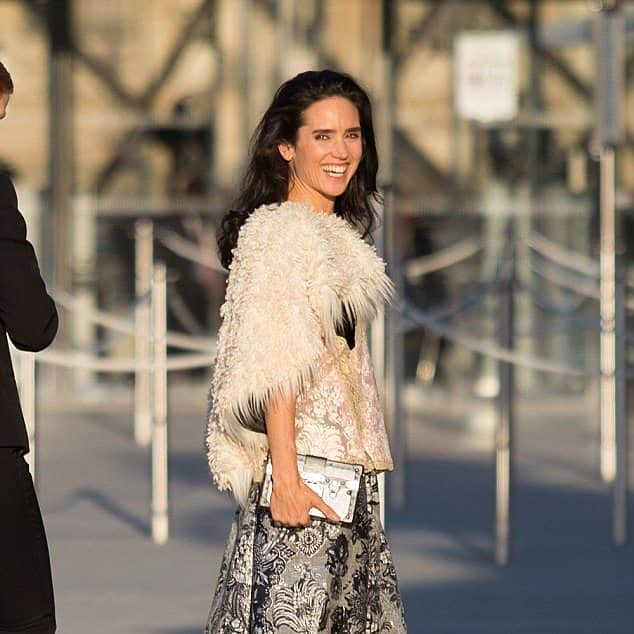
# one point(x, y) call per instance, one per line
point(339, 415)
point(301, 290)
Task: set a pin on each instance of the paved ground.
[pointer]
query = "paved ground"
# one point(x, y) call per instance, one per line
point(565, 576)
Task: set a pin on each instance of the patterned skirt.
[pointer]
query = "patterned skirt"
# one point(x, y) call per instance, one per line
point(336, 578)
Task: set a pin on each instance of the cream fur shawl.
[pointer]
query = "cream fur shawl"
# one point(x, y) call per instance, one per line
point(294, 270)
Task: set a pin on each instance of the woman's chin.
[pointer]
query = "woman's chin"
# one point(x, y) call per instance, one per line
point(335, 189)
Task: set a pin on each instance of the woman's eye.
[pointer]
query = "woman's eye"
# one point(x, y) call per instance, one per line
point(354, 135)
point(321, 137)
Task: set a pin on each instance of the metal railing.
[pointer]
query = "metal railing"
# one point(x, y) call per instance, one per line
point(150, 365)
point(571, 271)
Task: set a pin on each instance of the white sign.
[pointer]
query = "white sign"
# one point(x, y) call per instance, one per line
point(486, 75)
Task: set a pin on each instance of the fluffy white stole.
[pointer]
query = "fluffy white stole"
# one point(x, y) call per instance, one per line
point(293, 273)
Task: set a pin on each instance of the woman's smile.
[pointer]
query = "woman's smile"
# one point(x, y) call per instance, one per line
point(335, 171)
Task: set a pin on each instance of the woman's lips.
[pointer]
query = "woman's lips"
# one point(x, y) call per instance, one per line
point(336, 173)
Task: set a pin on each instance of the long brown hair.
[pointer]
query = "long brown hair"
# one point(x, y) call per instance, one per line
point(266, 179)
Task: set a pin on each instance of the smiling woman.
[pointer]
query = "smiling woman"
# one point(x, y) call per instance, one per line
point(293, 381)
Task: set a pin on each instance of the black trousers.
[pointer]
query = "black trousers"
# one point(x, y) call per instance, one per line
point(26, 588)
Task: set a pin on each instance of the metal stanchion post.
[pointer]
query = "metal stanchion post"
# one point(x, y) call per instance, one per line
point(84, 248)
point(503, 433)
point(144, 242)
point(607, 308)
point(394, 371)
point(160, 503)
point(620, 488)
point(377, 340)
point(609, 38)
point(26, 380)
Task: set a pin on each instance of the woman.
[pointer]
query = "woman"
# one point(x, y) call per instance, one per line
point(293, 376)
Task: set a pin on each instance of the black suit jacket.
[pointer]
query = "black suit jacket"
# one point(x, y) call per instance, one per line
point(27, 313)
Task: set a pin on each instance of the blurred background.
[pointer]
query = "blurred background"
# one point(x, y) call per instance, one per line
point(506, 138)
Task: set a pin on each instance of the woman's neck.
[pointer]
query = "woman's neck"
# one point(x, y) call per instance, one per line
point(319, 203)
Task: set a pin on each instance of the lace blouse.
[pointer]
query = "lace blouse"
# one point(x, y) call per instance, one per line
point(339, 416)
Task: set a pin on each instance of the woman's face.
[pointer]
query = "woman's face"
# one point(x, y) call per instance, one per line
point(327, 152)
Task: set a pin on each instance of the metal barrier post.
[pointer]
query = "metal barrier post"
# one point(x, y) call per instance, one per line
point(84, 248)
point(144, 241)
point(503, 432)
point(377, 352)
point(394, 404)
point(607, 308)
point(620, 488)
point(26, 381)
point(160, 503)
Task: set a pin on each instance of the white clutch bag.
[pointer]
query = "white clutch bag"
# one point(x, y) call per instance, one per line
point(336, 483)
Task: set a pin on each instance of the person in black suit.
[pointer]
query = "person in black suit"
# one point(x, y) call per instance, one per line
point(28, 316)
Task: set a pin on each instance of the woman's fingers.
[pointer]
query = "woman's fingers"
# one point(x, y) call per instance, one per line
point(290, 512)
point(286, 522)
point(294, 510)
point(330, 514)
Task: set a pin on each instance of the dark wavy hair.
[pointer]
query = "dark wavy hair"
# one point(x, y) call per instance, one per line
point(266, 179)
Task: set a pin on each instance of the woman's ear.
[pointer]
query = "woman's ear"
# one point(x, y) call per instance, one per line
point(286, 150)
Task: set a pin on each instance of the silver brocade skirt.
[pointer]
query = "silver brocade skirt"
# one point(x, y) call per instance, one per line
point(336, 578)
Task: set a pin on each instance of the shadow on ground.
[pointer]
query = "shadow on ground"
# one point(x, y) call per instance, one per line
point(565, 575)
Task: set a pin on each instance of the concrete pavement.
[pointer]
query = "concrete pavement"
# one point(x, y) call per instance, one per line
point(565, 576)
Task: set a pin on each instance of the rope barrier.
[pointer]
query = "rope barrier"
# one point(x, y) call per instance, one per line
point(469, 301)
point(431, 320)
point(419, 317)
point(100, 348)
point(183, 314)
point(564, 257)
point(548, 305)
point(543, 302)
point(68, 359)
point(407, 311)
point(189, 250)
point(417, 267)
point(571, 303)
point(125, 326)
point(565, 280)
point(569, 259)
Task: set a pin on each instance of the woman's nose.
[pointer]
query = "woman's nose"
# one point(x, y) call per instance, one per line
point(340, 149)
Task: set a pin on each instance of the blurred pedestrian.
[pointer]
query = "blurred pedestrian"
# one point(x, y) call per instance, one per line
point(29, 318)
point(293, 386)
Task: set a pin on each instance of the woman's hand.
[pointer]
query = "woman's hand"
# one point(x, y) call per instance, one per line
point(291, 501)
point(291, 498)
